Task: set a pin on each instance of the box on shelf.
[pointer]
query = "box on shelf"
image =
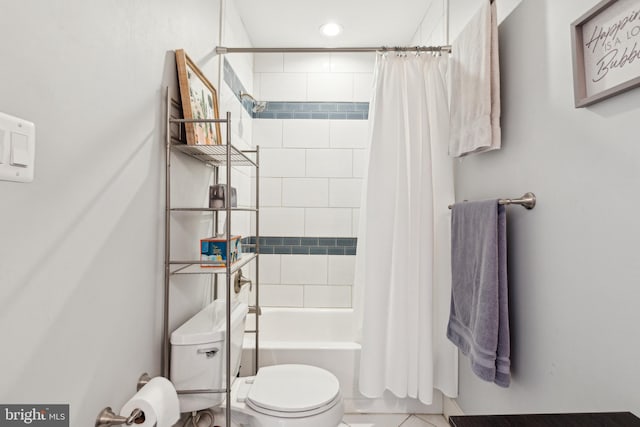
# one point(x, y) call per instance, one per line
point(215, 249)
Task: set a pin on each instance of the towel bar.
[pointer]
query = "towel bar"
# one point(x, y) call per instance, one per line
point(528, 200)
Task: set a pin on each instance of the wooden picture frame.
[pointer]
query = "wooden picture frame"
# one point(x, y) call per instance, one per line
point(606, 51)
point(199, 101)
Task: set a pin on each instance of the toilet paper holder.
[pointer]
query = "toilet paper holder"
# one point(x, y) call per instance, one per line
point(108, 418)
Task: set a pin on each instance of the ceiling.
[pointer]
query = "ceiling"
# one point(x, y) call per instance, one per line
point(296, 23)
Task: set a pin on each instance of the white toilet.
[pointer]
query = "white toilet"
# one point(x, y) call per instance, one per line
point(278, 396)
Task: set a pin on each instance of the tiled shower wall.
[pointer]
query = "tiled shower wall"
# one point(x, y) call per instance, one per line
point(311, 174)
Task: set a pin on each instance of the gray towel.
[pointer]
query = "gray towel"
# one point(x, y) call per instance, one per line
point(479, 318)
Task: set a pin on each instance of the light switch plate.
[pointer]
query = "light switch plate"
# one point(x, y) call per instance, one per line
point(17, 149)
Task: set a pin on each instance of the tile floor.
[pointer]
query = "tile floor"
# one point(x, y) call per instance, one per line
point(393, 420)
point(374, 420)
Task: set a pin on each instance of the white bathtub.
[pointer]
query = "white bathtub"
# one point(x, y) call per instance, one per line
point(324, 338)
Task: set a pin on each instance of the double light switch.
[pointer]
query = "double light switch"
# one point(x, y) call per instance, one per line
point(17, 149)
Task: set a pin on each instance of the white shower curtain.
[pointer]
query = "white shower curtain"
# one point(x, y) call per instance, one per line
point(403, 278)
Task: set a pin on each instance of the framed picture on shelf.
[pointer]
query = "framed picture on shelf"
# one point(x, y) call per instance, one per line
point(199, 101)
point(606, 51)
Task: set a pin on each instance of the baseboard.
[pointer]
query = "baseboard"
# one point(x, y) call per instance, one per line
point(450, 407)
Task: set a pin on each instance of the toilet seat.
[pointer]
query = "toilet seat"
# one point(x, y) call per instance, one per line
point(293, 391)
point(305, 414)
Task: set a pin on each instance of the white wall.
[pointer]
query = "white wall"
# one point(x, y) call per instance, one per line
point(432, 31)
point(311, 174)
point(573, 260)
point(81, 252)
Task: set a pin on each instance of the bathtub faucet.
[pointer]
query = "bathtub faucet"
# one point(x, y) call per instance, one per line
point(240, 281)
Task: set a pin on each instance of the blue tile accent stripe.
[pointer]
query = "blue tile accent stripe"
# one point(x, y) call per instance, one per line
point(296, 110)
point(302, 245)
point(315, 110)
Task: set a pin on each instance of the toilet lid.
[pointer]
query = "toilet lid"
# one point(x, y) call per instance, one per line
point(293, 388)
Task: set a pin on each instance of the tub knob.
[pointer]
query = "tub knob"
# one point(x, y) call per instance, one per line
point(240, 281)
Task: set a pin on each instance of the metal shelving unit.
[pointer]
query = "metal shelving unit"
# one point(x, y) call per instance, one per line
point(215, 156)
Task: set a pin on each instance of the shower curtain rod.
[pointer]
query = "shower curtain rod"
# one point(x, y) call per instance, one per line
point(221, 50)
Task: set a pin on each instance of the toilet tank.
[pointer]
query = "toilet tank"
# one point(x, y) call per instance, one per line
point(198, 354)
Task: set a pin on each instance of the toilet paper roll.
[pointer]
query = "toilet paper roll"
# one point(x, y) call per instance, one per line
point(159, 402)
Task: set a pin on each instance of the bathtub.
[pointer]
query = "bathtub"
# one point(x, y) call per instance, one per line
point(324, 338)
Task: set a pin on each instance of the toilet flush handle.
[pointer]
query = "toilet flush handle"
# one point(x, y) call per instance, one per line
point(209, 352)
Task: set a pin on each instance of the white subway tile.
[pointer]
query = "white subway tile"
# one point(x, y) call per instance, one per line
point(305, 133)
point(257, 84)
point(360, 160)
point(329, 163)
point(268, 62)
point(227, 99)
point(275, 162)
point(355, 214)
point(304, 269)
point(243, 185)
point(307, 62)
point(332, 87)
point(241, 224)
point(328, 222)
point(270, 192)
point(345, 192)
point(362, 87)
point(353, 63)
point(246, 131)
point(348, 133)
point(269, 269)
point(244, 191)
point(281, 296)
point(283, 87)
point(341, 269)
point(305, 192)
point(267, 133)
point(281, 222)
point(327, 296)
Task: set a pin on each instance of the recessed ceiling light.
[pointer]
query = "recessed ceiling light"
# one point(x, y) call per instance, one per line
point(331, 29)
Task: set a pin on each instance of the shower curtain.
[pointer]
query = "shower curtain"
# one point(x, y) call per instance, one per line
point(403, 278)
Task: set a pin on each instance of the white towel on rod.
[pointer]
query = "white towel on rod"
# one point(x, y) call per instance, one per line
point(475, 86)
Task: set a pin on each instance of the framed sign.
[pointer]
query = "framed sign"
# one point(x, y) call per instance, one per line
point(606, 51)
point(199, 101)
